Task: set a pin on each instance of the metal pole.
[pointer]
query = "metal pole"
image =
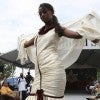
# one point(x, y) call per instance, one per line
point(13, 74)
point(0, 79)
point(29, 70)
point(23, 70)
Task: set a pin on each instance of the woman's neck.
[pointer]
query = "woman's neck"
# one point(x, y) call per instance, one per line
point(46, 28)
point(48, 25)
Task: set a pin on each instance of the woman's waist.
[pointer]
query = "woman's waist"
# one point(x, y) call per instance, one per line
point(47, 56)
point(47, 50)
point(50, 70)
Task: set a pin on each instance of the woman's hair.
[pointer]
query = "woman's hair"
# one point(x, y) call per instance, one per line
point(58, 28)
point(48, 6)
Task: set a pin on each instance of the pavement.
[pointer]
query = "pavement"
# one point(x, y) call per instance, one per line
point(76, 96)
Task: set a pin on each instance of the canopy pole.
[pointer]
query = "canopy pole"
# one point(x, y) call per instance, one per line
point(13, 74)
point(22, 70)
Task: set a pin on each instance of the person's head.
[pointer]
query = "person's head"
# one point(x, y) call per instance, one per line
point(46, 12)
point(28, 73)
point(5, 83)
point(93, 78)
point(21, 74)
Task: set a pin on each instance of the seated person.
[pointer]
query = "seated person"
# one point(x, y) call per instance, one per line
point(6, 92)
point(0, 88)
point(97, 91)
point(90, 88)
point(98, 87)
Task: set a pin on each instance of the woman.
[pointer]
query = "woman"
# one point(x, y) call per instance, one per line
point(50, 77)
point(6, 92)
point(97, 92)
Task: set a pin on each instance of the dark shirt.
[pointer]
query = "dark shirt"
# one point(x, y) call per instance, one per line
point(28, 78)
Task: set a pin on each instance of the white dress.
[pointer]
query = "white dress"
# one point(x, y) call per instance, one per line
point(47, 60)
point(51, 54)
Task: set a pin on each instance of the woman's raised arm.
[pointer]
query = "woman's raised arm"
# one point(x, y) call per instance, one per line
point(71, 34)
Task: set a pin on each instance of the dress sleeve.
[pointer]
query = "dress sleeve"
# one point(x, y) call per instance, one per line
point(87, 26)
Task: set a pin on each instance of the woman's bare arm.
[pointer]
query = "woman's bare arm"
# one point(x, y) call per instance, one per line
point(71, 34)
point(29, 43)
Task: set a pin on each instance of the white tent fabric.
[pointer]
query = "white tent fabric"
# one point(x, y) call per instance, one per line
point(69, 49)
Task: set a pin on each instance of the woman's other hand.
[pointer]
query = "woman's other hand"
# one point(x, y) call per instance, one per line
point(95, 40)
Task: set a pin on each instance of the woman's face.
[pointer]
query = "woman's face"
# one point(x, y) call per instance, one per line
point(45, 14)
